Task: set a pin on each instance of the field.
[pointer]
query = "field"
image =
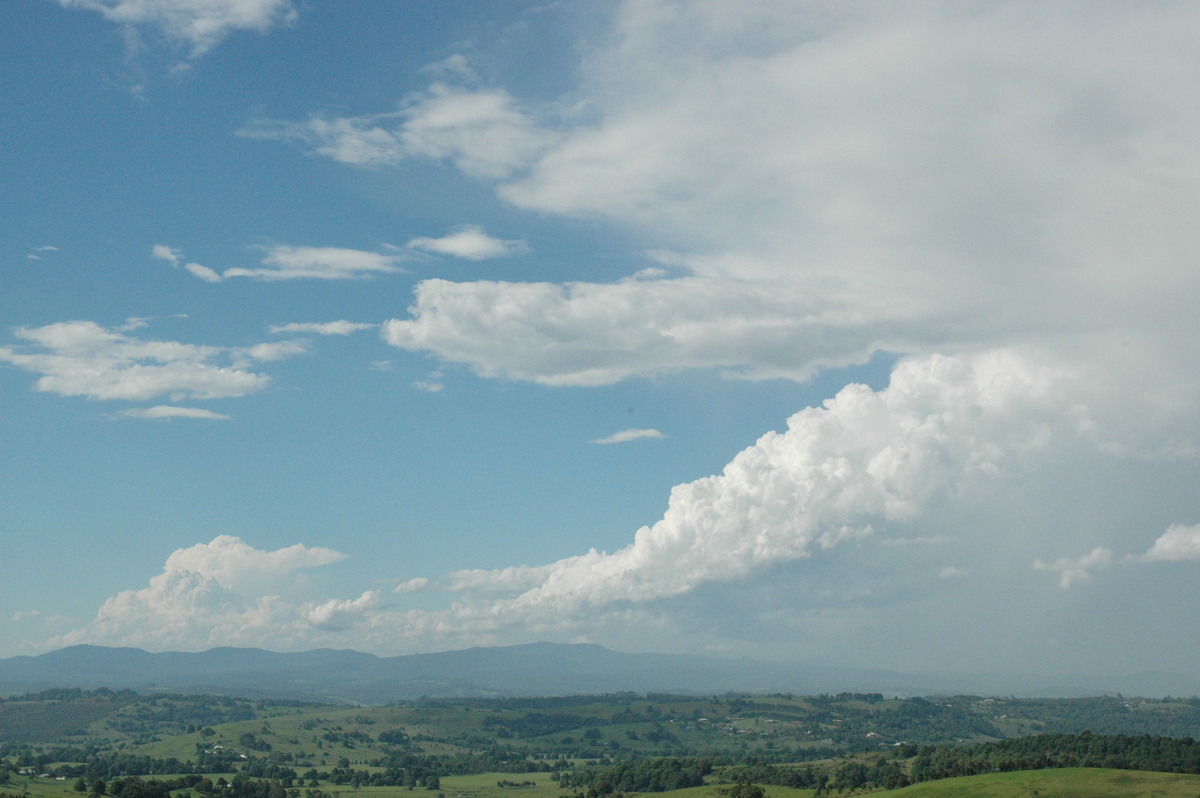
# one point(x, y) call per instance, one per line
point(595, 746)
point(1063, 783)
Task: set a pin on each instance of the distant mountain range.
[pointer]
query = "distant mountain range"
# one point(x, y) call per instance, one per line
point(535, 669)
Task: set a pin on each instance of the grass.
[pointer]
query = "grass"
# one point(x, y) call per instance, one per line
point(1056, 783)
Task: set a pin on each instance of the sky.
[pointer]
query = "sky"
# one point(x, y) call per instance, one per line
point(849, 332)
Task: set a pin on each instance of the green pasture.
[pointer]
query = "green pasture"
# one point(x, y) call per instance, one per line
point(1056, 783)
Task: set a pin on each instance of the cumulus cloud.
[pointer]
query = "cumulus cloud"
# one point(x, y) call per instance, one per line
point(199, 24)
point(342, 614)
point(864, 468)
point(237, 565)
point(864, 459)
point(82, 358)
point(626, 435)
point(471, 243)
point(160, 412)
point(1011, 185)
point(222, 593)
point(1178, 544)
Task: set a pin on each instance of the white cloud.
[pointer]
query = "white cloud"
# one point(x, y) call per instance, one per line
point(171, 255)
point(34, 256)
point(484, 133)
point(82, 358)
point(321, 328)
point(590, 334)
point(626, 435)
point(1178, 544)
point(412, 585)
point(224, 592)
point(825, 182)
point(288, 262)
point(238, 566)
point(513, 579)
point(1079, 570)
point(866, 458)
point(342, 614)
point(431, 384)
point(272, 350)
point(173, 411)
point(471, 243)
point(953, 572)
point(203, 272)
point(200, 24)
point(914, 180)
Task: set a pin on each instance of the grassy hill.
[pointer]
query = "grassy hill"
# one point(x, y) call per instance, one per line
point(1061, 783)
point(467, 748)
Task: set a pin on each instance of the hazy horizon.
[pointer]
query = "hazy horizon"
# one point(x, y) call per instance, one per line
point(789, 331)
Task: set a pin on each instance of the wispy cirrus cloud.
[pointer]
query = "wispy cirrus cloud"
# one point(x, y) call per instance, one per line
point(167, 412)
point(320, 328)
point(37, 252)
point(288, 262)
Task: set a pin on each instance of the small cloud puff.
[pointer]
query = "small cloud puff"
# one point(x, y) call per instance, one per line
point(163, 252)
point(626, 435)
point(471, 243)
point(1078, 570)
point(412, 585)
point(431, 384)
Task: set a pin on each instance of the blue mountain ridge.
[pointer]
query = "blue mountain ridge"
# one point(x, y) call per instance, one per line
point(535, 669)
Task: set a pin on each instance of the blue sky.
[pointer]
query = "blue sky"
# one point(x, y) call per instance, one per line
point(788, 330)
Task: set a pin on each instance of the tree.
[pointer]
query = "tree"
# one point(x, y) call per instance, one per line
point(80, 785)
